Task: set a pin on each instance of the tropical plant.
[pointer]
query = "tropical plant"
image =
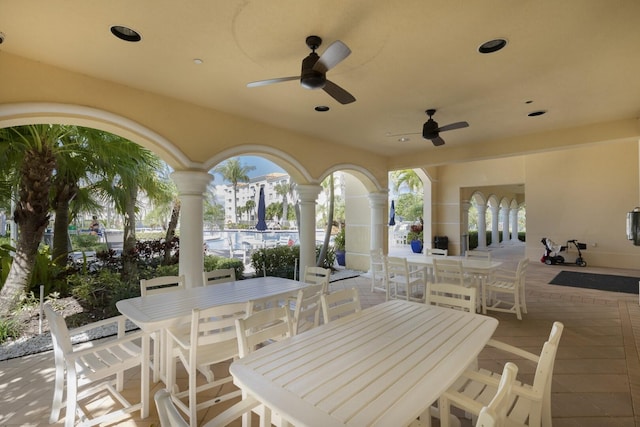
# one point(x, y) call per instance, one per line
point(408, 178)
point(416, 232)
point(339, 243)
point(285, 189)
point(234, 172)
point(32, 152)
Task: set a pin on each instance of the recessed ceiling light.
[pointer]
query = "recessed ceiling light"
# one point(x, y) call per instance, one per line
point(198, 61)
point(125, 33)
point(528, 102)
point(492, 46)
point(322, 108)
point(404, 139)
point(537, 113)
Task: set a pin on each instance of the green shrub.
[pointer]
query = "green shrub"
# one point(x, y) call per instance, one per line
point(213, 262)
point(86, 243)
point(281, 260)
point(100, 292)
point(9, 329)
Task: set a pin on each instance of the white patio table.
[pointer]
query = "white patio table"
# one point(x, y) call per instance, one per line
point(159, 312)
point(470, 265)
point(383, 366)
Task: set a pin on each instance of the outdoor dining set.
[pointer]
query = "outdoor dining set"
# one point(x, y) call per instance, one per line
point(305, 353)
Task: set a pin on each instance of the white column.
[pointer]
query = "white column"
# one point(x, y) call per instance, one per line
point(191, 188)
point(505, 224)
point(482, 226)
point(307, 195)
point(514, 225)
point(495, 238)
point(464, 225)
point(378, 204)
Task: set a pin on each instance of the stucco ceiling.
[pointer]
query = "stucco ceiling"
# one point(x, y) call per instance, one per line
point(576, 59)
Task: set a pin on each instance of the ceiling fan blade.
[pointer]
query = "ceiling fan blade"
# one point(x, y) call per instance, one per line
point(437, 141)
point(331, 57)
point(403, 134)
point(452, 126)
point(339, 94)
point(272, 81)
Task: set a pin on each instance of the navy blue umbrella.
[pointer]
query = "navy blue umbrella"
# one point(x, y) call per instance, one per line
point(392, 214)
point(262, 212)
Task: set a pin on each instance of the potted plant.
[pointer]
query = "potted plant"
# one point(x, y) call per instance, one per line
point(415, 237)
point(339, 246)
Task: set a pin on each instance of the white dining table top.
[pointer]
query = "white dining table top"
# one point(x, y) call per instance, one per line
point(475, 264)
point(154, 312)
point(383, 366)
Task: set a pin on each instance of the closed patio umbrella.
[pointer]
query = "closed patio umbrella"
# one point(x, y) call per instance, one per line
point(392, 214)
point(262, 212)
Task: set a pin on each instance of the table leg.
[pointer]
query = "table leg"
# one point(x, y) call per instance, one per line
point(144, 377)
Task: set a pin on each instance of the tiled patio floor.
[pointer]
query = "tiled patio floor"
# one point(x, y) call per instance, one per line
point(596, 378)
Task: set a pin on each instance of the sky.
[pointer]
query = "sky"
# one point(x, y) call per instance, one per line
point(263, 167)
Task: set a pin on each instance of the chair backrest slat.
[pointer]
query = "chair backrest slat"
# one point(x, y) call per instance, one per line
point(162, 284)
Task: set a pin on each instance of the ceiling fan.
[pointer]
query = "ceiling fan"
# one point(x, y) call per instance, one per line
point(314, 70)
point(431, 130)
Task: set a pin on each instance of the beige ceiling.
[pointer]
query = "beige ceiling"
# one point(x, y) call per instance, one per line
point(577, 59)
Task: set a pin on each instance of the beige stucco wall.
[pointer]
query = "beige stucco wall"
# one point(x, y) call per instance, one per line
point(582, 193)
point(453, 183)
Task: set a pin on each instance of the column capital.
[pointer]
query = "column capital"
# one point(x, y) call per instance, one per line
point(191, 182)
point(308, 192)
point(379, 198)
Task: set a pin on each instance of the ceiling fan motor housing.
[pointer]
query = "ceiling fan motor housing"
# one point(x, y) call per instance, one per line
point(310, 78)
point(430, 129)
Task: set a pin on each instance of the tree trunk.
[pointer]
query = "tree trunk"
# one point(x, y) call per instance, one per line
point(171, 231)
point(129, 256)
point(63, 195)
point(327, 234)
point(32, 217)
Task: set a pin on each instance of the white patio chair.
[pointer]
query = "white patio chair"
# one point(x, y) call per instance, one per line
point(448, 271)
point(317, 276)
point(506, 282)
point(340, 303)
point(306, 308)
point(475, 279)
point(162, 284)
point(233, 250)
point(170, 416)
point(532, 402)
point(154, 286)
point(495, 413)
point(378, 271)
point(452, 296)
point(92, 368)
point(220, 275)
point(210, 338)
point(436, 251)
point(403, 283)
point(257, 330)
point(476, 254)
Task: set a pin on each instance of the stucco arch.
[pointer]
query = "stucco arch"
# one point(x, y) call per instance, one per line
point(21, 114)
point(371, 184)
point(296, 171)
point(478, 198)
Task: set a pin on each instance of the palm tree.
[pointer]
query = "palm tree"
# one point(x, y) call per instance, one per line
point(408, 177)
point(234, 172)
point(32, 150)
point(138, 170)
point(285, 189)
point(327, 184)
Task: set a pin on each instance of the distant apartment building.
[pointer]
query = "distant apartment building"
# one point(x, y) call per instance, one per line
point(250, 191)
